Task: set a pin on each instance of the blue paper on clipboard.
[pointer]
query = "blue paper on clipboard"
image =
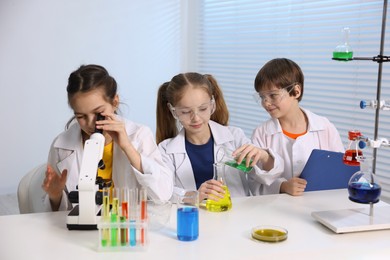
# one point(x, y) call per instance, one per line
point(325, 170)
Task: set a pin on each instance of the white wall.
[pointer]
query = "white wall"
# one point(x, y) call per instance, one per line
point(42, 41)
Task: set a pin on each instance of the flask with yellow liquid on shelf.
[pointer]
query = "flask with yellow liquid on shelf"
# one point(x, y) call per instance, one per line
point(224, 204)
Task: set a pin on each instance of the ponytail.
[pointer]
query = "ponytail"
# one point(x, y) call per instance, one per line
point(166, 124)
point(221, 114)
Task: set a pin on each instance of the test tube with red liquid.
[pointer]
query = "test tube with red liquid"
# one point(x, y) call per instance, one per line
point(353, 151)
point(143, 209)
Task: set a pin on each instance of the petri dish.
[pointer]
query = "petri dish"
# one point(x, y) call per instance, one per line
point(269, 233)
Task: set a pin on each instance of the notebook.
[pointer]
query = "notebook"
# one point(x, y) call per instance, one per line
point(325, 170)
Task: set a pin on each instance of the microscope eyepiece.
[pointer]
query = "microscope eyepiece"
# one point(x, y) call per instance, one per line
point(98, 118)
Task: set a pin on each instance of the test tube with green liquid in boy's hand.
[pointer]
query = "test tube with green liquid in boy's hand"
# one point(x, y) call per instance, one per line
point(105, 213)
point(114, 216)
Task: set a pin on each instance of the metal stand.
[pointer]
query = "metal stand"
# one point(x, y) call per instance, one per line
point(362, 219)
point(379, 59)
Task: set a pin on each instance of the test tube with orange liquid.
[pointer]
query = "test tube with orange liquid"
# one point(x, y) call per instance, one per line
point(353, 152)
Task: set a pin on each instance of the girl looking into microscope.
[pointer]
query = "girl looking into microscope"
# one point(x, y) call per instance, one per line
point(131, 156)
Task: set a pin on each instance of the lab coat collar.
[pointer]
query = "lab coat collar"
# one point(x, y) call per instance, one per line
point(69, 139)
point(315, 124)
point(221, 134)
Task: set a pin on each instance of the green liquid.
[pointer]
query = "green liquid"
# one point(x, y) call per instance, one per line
point(105, 216)
point(343, 55)
point(114, 219)
point(105, 237)
point(241, 166)
point(221, 205)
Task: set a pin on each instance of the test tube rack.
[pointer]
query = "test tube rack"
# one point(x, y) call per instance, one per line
point(125, 227)
point(123, 236)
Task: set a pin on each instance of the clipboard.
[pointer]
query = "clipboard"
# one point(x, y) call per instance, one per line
point(325, 170)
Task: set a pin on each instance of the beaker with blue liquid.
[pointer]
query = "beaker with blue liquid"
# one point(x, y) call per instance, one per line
point(188, 216)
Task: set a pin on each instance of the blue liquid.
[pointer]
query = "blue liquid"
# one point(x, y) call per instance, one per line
point(133, 234)
point(364, 193)
point(187, 223)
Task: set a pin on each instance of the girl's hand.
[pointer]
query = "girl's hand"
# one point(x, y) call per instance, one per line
point(251, 154)
point(211, 189)
point(53, 185)
point(114, 128)
point(295, 186)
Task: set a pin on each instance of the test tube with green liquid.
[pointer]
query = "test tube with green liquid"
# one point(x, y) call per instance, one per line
point(105, 214)
point(114, 216)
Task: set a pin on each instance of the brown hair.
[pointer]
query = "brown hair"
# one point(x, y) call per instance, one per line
point(281, 73)
point(172, 91)
point(90, 77)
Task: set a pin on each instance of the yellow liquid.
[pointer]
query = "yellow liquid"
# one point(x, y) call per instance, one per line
point(221, 205)
point(269, 235)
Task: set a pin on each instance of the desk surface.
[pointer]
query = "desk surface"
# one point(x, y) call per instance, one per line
point(223, 235)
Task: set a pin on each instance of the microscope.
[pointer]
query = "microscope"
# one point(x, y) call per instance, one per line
point(84, 216)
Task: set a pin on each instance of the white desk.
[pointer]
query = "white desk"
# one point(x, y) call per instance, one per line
point(221, 236)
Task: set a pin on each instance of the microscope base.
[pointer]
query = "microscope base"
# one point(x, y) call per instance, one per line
point(72, 221)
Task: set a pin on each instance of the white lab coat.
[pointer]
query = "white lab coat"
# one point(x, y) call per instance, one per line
point(321, 134)
point(67, 150)
point(239, 183)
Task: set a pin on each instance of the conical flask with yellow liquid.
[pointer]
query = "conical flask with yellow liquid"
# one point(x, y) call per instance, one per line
point(217, 204)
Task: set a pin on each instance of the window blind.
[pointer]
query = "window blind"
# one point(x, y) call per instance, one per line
point(236, 38)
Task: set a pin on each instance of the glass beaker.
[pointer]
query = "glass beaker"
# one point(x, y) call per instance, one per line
point(353, 151)
point(362, 186)
point(225, 155)
point(224, 204)
point(343, 51)
point(188, 216)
